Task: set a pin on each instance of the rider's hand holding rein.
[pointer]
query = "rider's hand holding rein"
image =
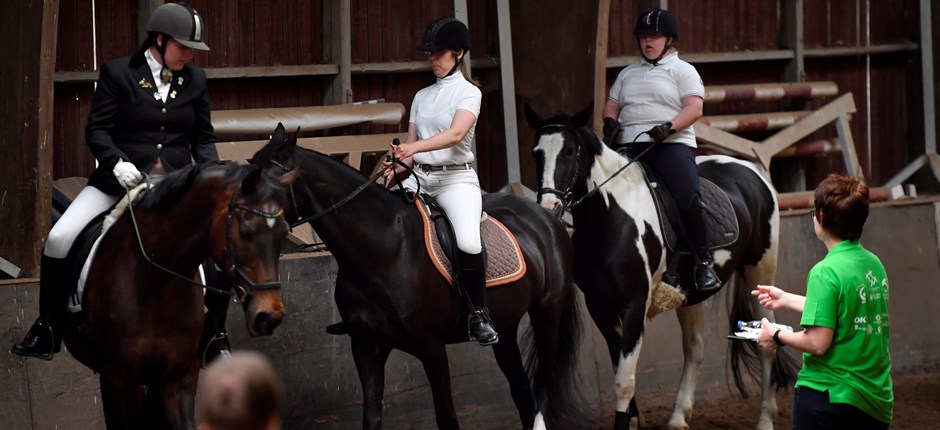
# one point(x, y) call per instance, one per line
point(127, 174)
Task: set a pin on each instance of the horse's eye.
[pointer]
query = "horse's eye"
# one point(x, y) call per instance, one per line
point(569, 151)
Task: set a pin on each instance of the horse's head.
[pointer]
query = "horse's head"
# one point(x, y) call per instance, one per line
point(563, 145)
point(246, 242)
point(279, 153)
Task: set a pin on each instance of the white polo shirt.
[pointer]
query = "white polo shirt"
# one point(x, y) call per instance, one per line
point(651, 95)
point(433, 110)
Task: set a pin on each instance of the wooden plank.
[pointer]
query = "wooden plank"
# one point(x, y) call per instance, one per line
point(600, 60)
point(243, 150)
point(270, 71)
point(263, 121)
point(725, 142)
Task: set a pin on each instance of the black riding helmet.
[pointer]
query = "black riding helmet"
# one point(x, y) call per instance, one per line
point(181, 22)
point(446, 34)
point(657, 21)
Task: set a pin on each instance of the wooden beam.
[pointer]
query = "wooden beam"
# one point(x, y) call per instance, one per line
point(337, 19)
point(508, 90)
point(793, 39)
point(271, 71)
point(243, 150)
point(264, 120)
point(600, 60)
point(754, 122)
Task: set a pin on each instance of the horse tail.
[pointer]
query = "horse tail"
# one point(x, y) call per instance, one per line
point(565, 406)
point(746, 356)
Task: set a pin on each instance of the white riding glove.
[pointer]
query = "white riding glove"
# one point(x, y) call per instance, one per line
point(127, 174)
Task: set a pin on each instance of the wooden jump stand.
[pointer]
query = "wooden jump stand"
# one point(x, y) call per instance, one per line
point(715, 132)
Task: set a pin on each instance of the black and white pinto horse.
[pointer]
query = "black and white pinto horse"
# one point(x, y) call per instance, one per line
point(621, 257)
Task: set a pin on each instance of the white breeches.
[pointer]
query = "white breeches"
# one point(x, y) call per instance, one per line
point(89, 202)
point(458, 194)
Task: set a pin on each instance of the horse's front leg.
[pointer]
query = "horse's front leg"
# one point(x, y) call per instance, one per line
point(434, 358)
point(634, 326)
point(370, 357)
point(178, 400)
point(121, 400)
point(509, 360)
point(693, 349)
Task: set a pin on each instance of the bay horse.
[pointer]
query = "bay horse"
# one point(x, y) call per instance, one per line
point(621, 256)
point(142, 312)
point(391, 296)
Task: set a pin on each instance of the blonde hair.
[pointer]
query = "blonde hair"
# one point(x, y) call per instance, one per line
point(240, 393)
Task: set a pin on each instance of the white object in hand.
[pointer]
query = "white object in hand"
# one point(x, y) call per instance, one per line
point(127, 174)
point(750, 329)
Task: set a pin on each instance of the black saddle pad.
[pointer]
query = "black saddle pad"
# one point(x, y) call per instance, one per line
point(720, 221)
point(78, 254)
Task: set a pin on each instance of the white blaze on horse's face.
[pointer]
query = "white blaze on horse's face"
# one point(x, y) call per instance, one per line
point(271, 208)
point(550, 145)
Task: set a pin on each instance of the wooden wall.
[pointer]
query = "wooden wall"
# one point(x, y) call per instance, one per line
point(25, 122)
point(886, 86)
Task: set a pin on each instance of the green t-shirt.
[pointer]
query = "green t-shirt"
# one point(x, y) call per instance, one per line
point(848, 292)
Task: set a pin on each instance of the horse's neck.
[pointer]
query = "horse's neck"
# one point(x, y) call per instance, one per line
point(627, 189)
point(359, 223)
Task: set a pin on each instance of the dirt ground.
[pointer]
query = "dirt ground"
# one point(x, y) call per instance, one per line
point(916, 406)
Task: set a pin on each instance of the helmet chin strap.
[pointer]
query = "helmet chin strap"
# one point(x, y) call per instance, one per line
point(457, 62)
point(161, 49)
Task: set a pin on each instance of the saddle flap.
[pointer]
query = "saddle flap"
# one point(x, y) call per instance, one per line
point(504, 260)
point(721, 223)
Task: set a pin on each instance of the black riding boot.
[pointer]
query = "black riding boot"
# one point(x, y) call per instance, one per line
point(694, 218)
point(214, 341)
point(473, 280)
point(45, 336)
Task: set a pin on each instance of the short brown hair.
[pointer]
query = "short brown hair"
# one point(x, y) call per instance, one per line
point(240, 393)
point(841, 204)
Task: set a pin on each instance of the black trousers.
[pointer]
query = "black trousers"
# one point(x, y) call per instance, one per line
point(812, 411)
point(674, 164)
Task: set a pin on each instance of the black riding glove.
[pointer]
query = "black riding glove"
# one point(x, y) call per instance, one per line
point(611, 131)
point(661, 132)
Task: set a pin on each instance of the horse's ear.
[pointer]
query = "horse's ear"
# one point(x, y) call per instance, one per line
point(279, 132)
point(590, 140)
point(531, 117)
point(581, 119)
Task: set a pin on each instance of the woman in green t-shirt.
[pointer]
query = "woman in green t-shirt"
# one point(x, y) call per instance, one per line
point(846, 377)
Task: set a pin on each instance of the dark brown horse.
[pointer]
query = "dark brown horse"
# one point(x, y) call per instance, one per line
point(391, 296)
point(621, 256)
point(142, 312)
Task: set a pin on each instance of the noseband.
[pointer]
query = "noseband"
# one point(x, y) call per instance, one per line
point(568, 193)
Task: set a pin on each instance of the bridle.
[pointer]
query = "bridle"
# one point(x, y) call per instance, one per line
point(566, 195)
point(242, 287)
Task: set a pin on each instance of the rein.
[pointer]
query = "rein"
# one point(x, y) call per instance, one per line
point(236, 274)
point(614, 175)
point(342, 201)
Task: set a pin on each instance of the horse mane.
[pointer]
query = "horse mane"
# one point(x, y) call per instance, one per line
point(175, 185)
